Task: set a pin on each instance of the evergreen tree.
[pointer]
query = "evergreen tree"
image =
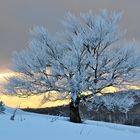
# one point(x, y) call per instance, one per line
point(2, 108)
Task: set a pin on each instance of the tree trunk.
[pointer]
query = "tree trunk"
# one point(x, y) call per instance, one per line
point(74, 112)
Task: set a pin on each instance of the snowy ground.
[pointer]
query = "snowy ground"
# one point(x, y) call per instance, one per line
point(30, 126)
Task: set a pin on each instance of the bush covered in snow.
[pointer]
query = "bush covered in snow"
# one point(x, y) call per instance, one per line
point(122, 101)
point(2, 108)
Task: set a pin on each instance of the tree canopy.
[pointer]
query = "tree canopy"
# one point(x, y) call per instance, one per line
point(89, 55)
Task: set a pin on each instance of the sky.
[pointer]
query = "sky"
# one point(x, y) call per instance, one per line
point(17, 17)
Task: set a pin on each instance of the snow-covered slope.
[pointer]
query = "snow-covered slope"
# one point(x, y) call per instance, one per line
point(30, 126)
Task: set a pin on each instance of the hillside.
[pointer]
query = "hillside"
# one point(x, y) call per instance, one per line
point(32, 126)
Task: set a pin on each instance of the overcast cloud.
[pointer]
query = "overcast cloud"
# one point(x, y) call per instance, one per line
point(18, 16)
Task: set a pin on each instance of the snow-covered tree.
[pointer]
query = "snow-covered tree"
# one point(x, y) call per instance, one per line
point(123, 101)
point(85, 57)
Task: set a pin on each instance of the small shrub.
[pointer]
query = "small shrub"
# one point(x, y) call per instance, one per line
point(13, 115)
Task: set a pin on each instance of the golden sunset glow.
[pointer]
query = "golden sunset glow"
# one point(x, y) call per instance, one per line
point(32, 102)
point(35, 101)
